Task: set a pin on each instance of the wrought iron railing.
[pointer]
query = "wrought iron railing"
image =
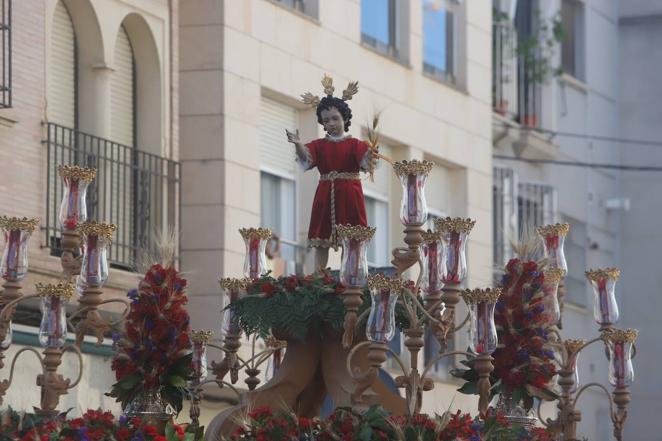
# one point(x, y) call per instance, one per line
point(5, 54)
point(516, 94)
point(136, 190)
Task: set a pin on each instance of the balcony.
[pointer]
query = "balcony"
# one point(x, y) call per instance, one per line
point(516, 98)
point(136, 190)
point(515, 95)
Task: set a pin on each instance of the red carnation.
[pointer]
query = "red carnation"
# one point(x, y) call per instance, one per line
point(291, 283)
point(268, 289)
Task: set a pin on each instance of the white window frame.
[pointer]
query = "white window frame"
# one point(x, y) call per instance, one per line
point(578, 68)
point(309, 8)
point(546, 218)
point(449, 75)
point(398, 46)
point(441, 369)
point(576, 272)
point(294, 243)
point(381, 198)
point(505, 217)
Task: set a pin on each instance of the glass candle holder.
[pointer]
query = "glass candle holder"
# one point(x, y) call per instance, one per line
point(16, 233)
point(605, 308)
point(276, 359)
point(53, 326)
point(432, 257)
point(94, 243)
point(73, 208)
point(384, 292)
point(273, 363)
point(620, 344)
point(482, 329)
point(550, 288)
point(199, 340)
point(255, 263)
point(454, 234)
point(354, 262)
point(233, 290)
point(572, 348)
point(413, 174)
point(553, 239)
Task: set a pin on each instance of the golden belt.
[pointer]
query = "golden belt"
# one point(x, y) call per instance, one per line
point(332, 176)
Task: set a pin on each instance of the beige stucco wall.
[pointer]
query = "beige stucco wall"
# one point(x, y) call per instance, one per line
point(235, 52)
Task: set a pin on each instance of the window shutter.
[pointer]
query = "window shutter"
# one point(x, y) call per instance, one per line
point(119, 174)
point(122, 88)
point(276, 154)
point(61, 92)
point(61, 103)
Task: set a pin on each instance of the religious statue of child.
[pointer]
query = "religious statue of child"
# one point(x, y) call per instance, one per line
point(339, 158)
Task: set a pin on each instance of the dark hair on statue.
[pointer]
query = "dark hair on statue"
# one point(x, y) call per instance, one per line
point(331, 101)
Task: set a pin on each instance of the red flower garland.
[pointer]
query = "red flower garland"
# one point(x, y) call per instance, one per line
point(157, 345)
point(523, 361)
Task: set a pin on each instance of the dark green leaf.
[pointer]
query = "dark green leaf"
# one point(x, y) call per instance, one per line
point(469, 388)
point(128, 382)
point(176, 381)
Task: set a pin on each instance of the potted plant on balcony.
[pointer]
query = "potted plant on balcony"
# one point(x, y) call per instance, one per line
point(534, 49)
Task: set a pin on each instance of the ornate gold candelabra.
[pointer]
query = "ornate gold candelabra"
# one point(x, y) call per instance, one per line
point(620, 348)
point(89, 270)
point(441, 260)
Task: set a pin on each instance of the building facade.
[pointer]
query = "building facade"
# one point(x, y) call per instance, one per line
point(641, 58)
point(425, 65)
point(563, 117)
point(91, 83)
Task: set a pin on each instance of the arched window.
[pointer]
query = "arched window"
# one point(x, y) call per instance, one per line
point(61, 109)
point(123, 92)
point(61, 93)
point(120, 171)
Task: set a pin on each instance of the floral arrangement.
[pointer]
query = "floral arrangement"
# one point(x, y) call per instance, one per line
point(524, 360)
point(376, 425)
point(156, 353)
point(94, 425)
point(295, 305)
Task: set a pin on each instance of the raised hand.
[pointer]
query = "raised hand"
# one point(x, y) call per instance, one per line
point(293, 137)
point(374, 157)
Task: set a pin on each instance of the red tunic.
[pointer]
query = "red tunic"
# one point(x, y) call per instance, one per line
point(342, 157)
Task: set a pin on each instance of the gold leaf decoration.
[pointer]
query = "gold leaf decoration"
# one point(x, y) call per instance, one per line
point(17, 223)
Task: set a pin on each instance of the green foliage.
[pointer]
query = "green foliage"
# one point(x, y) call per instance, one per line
point(296, 306)
point(536, 50)
point(173, 384)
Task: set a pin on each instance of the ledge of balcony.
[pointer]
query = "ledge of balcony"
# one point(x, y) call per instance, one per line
point(509, 136)
point(7, 118)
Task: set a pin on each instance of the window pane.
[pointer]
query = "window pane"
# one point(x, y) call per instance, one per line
point(278, 211)
point(437, 37)
point(269, 217)
point(568, 11)
point(377, 211)
point(431, 351)
point(375, 22)
point(576, 286)
point(396, 346)
point(299, 5)
point(287, 226)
